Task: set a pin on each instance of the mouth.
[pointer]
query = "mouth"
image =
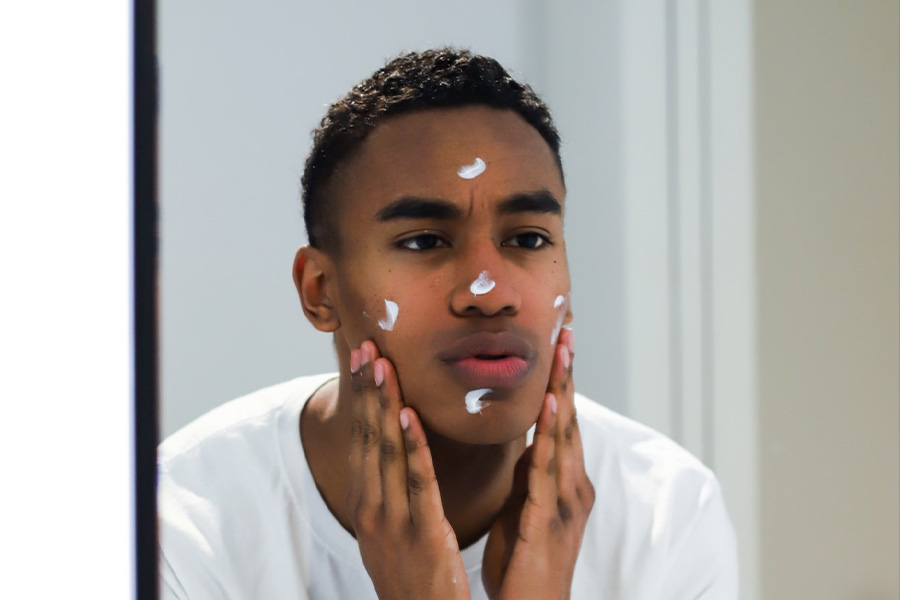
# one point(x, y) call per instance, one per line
point(489, 360)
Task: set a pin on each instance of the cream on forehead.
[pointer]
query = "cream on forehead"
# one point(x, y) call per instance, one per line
point(474, 403)
point(392, 310)
point(472, 171)
point(483, 284)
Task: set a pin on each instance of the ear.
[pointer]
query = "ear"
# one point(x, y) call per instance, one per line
point(314, 278)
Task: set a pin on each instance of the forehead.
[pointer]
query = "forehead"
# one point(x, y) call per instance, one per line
point(421, 153)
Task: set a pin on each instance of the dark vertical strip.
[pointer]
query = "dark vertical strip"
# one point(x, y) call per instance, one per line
point(676, 386)
point(706, 243)
point(146, 382)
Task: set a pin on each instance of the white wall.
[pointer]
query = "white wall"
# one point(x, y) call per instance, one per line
point(828, 182)
point(67, 523)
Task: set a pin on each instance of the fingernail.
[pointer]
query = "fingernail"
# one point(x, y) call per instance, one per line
point(570, 341)
point(566, 358)
point(354, 361)
point(364, 359)
point(552, 400)
point(379, 373)
point(404, 421)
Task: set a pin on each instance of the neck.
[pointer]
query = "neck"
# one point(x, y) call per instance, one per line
point(475, 480)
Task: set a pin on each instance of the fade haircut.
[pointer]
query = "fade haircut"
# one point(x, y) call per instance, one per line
point(437, 78)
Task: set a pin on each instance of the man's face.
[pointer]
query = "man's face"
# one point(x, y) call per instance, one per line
point(453, 261)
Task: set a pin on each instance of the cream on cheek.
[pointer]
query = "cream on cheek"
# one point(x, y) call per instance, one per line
point(561, 306)
point(392, 311)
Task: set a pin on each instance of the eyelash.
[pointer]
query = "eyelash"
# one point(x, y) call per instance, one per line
point(543, 242)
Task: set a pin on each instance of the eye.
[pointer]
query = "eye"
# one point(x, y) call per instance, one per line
point(529, 240)
point(424, 241)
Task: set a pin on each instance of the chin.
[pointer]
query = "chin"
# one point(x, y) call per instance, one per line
point(498, 422)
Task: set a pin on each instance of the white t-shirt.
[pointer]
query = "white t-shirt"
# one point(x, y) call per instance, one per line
point(240, 515)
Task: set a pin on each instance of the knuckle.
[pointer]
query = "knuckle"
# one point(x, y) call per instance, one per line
point(388, 450)
point(356, 428)
point(565, 510)
point(551, 466)
point(417, 482)
point(569, 432)
point(366, 520)
point(555, 524)
point(371, 435)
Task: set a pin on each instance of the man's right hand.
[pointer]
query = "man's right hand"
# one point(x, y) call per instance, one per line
point(393, 501)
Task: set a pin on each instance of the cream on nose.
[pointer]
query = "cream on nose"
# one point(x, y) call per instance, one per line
point(482, 284)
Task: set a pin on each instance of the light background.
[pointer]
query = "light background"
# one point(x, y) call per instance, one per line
point(66, 345)
point(732, 224)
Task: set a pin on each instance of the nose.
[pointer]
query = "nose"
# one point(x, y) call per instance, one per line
point(483, 288)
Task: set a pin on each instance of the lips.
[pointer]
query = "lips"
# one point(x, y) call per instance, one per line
point(489, 360)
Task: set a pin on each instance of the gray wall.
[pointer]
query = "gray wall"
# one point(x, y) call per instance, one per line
point(829, 340)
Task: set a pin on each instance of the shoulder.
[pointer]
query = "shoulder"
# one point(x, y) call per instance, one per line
point(223, 479)
point(658, 505)
point(238, 421)
point(639, 450)
point(641, 466)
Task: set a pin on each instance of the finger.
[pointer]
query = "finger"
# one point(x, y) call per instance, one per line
point(366, 428)
point(542, 492)
point(568, 456)
point(561, 383)
point(574, 484)
point(425, 507)
point(392, 456)
point(356, 427)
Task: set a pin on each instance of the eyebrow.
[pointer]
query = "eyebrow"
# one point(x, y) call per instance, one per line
point(541, 201)
point(413, 207)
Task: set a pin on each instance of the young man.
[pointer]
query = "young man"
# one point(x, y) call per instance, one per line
point(450, 457)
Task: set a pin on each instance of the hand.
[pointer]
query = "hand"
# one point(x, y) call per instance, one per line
point(407, 545)
point(533, 544)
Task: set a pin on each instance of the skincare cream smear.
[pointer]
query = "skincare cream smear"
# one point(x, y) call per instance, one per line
point(560, 304)
point(483, 284)
point(392, 310)
point(472, 171)
point(474, 403)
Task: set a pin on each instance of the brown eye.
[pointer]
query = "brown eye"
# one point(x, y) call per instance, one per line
point(529, 241)
point(425, 241)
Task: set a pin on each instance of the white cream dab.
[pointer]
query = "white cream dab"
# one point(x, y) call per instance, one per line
point(392, 310)
point(560, 301)
point(472, 171)
point(483, 284)
point(474, 404)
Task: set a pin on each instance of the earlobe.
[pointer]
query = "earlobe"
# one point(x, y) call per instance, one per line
point(313, 274)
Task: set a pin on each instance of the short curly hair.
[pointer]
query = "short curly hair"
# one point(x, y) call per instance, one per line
point(437, 78)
